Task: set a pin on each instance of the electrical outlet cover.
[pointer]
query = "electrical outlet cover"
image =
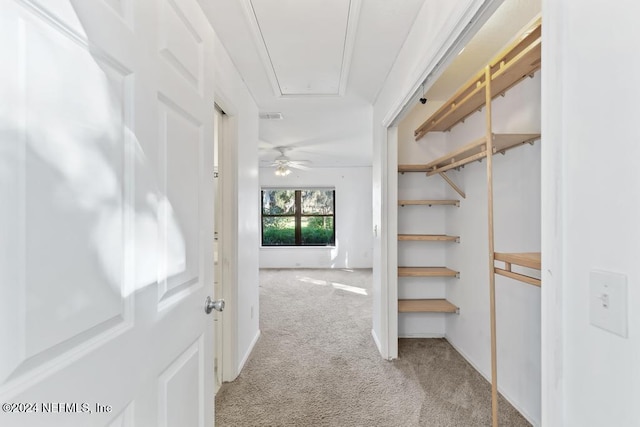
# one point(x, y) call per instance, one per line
point(608, 301)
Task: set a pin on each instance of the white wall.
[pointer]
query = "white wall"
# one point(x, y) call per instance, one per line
point(591, 118)
point(239, 170)
point(353, 248)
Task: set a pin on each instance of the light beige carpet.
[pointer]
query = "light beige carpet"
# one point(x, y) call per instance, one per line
point(316, 365)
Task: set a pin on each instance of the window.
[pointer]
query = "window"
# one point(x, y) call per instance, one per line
point(298, 217)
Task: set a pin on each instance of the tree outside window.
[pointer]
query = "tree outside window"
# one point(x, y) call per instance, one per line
point(298, 217)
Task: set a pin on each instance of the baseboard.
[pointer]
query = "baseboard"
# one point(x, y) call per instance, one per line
point(421, 335)
point(525, 414)
point(249, 351)
point(377, 341)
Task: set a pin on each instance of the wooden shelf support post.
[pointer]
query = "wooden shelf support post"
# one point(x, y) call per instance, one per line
point(492, 277)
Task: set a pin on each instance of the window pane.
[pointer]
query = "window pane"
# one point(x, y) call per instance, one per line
point(278, 231)
point(276, 202)
point(318, 202)
point(317, 230)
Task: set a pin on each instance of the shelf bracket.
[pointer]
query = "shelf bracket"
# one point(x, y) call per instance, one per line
point(453, 185)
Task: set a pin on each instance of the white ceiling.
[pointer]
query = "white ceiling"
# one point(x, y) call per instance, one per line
point(321, 63)
point(309, 56)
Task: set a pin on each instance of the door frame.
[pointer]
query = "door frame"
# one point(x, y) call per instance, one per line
point(425, 74)
point(228, 238)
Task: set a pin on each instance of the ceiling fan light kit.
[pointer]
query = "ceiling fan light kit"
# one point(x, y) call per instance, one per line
point(282, 170)
point(283, 164)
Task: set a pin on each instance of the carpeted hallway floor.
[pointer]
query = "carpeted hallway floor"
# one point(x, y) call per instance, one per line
point(316, 365)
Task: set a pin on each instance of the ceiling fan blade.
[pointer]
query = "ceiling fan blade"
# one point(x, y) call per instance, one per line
point(297, 166)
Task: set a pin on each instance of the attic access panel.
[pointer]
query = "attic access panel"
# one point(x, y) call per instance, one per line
point(306, 43)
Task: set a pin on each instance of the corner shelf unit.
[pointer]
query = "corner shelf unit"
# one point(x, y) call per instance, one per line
point(426, 305)
point(519, 60)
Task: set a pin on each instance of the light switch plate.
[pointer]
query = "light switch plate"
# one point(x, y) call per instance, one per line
point(608, 301)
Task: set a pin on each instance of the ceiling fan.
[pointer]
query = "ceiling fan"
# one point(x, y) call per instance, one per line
point(283, 163)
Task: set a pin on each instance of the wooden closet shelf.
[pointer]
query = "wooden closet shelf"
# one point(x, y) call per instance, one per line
point(477, 150)
point(522, 259)
point(427, 272)
point(429, 202)
point(412, 168)
point(429, 237)
point(426, 306)
point(522, 65)
point(520, 59)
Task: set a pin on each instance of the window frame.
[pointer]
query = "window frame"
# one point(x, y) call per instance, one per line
point(298, 216)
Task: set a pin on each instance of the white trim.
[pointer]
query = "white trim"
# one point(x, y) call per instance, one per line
point(553, 186)
point(249, 351)
point(349, 43)
point(385, 302)
point(259, 42)
point(423, 335)
point(524, 413)
point(391, 238)
point(227, 159)
point(376, 340)
point(229, 250)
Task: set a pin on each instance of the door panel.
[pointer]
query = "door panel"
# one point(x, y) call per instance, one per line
point(180, 141)
point(73, 179)
point(180, 43)
point(68, 194)
point(107, 229)
point(180, 389)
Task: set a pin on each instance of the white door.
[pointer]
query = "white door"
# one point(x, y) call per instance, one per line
point(106, 213)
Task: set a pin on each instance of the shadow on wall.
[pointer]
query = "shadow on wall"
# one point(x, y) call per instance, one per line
point(67, 163)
